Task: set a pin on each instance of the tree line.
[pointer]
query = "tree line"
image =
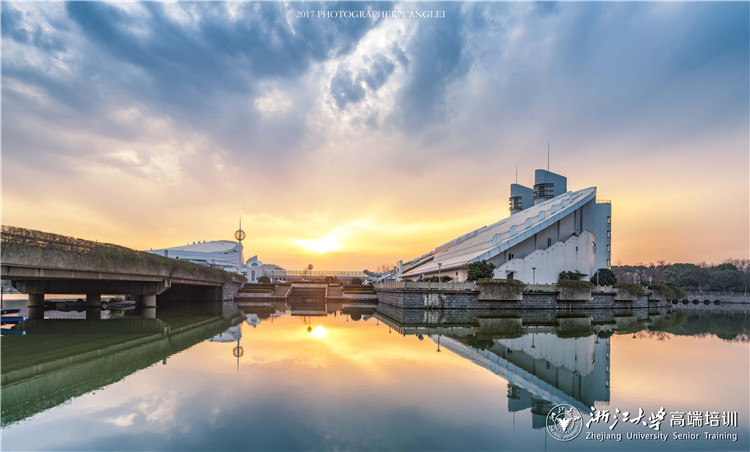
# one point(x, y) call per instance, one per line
point(733, 275)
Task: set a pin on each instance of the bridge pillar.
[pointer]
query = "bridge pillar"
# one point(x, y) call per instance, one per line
point(93, 299)
point(149, 313)
point(36, 306)
point(148, 306)
point(147, 301)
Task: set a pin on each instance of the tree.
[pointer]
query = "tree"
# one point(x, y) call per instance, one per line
point(480, 270)
point(382, 268)
point(571, 276)
point(725, 279)
point(356, 282)
point(603, 277)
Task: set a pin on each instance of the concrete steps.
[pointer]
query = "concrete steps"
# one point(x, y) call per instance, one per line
point(307, 293)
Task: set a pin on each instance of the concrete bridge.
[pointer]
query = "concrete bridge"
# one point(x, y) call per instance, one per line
point(39, 263)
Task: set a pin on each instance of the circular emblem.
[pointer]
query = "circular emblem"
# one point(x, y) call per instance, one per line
point(564, 422)
point(239, 234)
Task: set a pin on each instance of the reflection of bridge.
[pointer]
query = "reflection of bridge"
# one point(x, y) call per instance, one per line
point(66, 358)
point(39, 263)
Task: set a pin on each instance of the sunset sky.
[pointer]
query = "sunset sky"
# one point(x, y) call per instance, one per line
point(158, 124)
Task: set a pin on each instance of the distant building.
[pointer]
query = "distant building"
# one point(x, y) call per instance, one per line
point(558, 231)
point(222, 254)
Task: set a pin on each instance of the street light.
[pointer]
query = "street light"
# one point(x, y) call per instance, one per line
point(239, 234)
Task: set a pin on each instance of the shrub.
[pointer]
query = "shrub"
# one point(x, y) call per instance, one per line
point(571, 276)
point(679, 292)
point(264, 280)
point(575, 284)
point(480, 270)
point(502, 282)
point(631, 288)
point(606, 277)
point(479, 343)
point(663, 290)
point(512, 286)
point(356, 282)
point(435, 279)
point(668, 291)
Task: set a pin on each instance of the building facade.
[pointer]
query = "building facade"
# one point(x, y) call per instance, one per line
point(223, 254)
point(560, 231)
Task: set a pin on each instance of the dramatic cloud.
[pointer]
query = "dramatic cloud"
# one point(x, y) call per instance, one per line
point(151, 124)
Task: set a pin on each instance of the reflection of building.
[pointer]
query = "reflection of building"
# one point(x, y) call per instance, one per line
point(559, 231)
point(232, 334)
point(544, 370)
point(223, 254)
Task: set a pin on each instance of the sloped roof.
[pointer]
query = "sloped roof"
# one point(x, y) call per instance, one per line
point(489, 241)
point(216, 246)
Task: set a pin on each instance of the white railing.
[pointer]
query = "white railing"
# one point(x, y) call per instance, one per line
point(419, 285)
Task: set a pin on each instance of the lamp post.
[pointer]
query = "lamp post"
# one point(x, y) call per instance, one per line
point(238, 351)
point(440, 281)
point(239, 234)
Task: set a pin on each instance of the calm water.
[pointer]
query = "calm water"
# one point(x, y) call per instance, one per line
point(287, 378)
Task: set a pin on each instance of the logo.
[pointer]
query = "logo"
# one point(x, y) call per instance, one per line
point(564, 422)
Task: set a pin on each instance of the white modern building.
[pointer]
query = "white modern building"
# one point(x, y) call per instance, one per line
point(223, 254)
point(550, 230)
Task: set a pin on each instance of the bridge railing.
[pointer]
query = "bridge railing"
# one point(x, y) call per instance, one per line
point(29, 248)
point(12, 235)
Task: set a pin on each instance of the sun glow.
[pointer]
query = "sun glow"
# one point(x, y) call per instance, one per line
point(321, 245)
point(319, 332)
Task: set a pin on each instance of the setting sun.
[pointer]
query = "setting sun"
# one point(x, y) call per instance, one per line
point(321, 245)
point(319, 332)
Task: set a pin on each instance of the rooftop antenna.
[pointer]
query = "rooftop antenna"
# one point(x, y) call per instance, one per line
point(516, 172)
point(546, 176)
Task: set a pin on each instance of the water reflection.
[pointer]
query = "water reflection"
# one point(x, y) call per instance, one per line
point(361, 376)
point(62, 357)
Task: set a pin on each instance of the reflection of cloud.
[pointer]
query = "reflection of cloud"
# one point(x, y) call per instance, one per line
point(123, 421)
point(159, 407)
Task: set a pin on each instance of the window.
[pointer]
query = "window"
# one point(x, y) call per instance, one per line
point(513, 230)
point(549, 242)
point(609, 234)
point(510, 257)
point(541, 215)
point(609, 264)
point(527, 223)
point(496, 239)
point(553, 209)
point(609, 220)
point(609, 248)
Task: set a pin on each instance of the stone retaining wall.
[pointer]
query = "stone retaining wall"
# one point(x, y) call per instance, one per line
point(437, 299)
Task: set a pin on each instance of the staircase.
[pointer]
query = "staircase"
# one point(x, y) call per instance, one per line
point(280, 291)
point(307, 293)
